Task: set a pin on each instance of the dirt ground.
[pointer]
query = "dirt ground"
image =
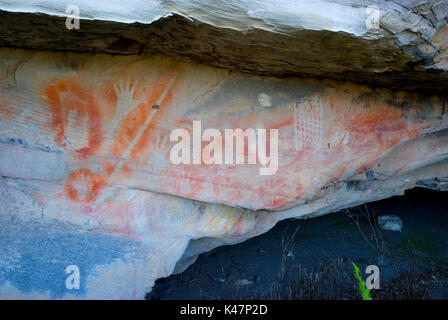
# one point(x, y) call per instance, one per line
point(312, 259)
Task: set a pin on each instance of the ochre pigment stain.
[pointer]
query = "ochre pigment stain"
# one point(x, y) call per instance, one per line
point(131, 124)
point(83, 185)
point(81, 101)
point(7, 112)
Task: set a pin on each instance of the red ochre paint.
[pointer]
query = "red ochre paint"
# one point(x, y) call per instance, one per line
point(86, 107)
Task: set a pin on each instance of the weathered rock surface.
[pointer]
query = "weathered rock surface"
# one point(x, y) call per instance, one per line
point(394, 44)
point(85, 173)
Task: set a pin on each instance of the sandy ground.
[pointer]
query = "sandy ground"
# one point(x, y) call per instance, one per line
point(312, 259)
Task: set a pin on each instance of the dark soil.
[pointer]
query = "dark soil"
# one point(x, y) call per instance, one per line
point(312, 259)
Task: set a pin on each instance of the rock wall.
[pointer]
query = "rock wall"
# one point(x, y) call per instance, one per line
point(86, 177)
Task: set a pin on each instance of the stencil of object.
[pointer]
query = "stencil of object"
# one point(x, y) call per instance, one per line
point(307, 124)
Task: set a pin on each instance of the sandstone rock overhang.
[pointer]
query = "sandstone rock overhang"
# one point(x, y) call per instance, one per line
point(79, 184)
point(85, 177)
point(405, 50)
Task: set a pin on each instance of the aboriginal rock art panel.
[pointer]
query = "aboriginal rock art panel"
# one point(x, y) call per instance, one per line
point(115, 133)
point(134, 133)
point(75, 111)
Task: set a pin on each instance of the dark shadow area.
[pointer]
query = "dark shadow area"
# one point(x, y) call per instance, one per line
point(312, 259)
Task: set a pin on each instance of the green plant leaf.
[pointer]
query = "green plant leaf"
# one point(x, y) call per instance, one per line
point(362, 286)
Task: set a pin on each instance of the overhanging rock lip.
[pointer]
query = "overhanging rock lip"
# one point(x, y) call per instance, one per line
point(58, 9)
point(258, 46)
point(240, 15)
